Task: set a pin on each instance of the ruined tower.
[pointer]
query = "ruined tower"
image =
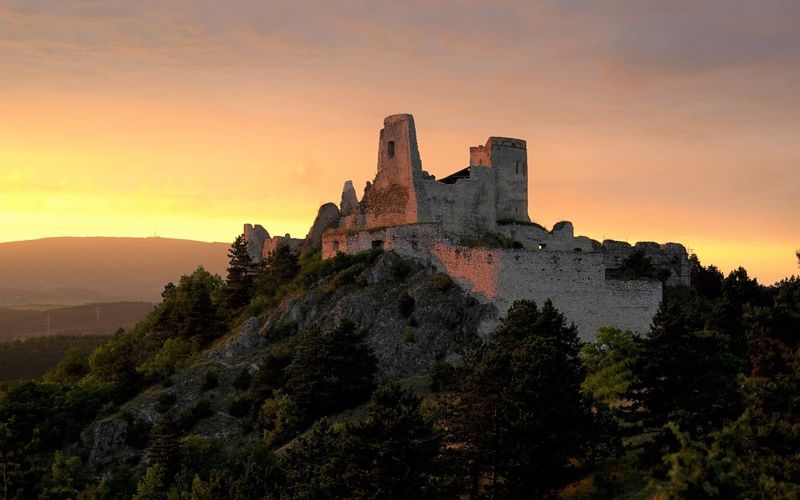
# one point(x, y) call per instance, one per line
point(509, 159)
point(391, 199)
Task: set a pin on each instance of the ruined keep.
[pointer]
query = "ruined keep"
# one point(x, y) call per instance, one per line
point(474, 226)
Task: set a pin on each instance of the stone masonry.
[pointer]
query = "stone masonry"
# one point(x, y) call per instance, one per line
point(474, 226)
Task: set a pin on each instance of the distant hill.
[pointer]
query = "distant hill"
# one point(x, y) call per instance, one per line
point(73, 271)
point(87, 319)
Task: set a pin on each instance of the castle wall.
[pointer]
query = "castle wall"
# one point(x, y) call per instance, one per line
point(561, 238)
point(413, 240)
point(272, 244)
point(574, 281)
point(464, 208)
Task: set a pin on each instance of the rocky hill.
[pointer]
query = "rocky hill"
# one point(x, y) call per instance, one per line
point(410, 317)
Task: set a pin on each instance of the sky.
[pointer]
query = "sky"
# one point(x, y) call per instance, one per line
point(645, 120)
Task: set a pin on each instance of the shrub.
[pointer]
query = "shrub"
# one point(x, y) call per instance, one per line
point(242, 380)
point(173, 356)
point(211, 381)
point(190, 415)
point(280, 418)
point(240, 406)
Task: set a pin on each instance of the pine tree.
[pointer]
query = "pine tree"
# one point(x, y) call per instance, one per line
point(331, 371)
point(164, 447)
point(524, 419)
point(239, 285)
point(399, 445)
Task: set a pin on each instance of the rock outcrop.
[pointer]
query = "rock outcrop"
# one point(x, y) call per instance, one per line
point(255, 236)
point(349, 203)
point(327, 218)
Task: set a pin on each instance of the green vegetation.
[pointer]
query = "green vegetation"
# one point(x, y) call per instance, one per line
point(706, 404)
point(33, 357)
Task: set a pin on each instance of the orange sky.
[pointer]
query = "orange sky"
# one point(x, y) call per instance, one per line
point(665, 121)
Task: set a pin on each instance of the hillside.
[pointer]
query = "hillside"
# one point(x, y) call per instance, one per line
point(88, 319)
point(73, 271)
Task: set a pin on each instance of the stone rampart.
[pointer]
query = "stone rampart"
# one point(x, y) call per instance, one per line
point(574, 281)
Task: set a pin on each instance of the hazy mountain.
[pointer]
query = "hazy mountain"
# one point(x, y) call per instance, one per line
point(72, 271)
point(87, 319)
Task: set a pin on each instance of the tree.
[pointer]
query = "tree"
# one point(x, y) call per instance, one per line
point(524, 420)
point(189, 310)
point(608, 361)
point(706, 280)
point(323, 464)
point(331, 371)
point(151, 486)
point(278, 269)
point(10, 467)
point(239, 285)
point(683, 375)
point(163, 452)
point(399, 445)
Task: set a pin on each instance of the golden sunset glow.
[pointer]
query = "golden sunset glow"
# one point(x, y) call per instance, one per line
point(189, 119)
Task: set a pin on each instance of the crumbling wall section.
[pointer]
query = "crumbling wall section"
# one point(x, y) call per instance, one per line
point(670, 256)
point(466, 207)
point(411, 240)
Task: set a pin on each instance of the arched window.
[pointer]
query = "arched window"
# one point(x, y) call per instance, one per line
point(516, 169)
point(390, 149)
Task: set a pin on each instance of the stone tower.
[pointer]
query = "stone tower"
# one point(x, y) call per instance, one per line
point(509, 160)
point(391, 199)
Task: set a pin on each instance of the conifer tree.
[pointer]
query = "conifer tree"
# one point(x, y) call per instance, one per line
point(239, 284)
point(524, 419)
point(164, 448)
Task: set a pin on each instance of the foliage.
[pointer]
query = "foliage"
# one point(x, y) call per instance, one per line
point(638, 266)
point(239, 284)
point(280, 418)
point(706, 280)
point(278, 269)
point(190, 310)
point(34, 357)
point(608, 363)
point(330, 371)
point(162, 455)
point(173, 356)
point(523, 418)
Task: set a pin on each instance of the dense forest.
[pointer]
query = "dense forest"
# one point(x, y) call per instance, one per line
point(706, 404)
point(31, 358)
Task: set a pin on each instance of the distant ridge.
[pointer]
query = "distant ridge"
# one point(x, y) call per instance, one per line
point(80, 270)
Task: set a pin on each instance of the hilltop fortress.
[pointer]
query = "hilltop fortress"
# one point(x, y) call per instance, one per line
point(474, 226)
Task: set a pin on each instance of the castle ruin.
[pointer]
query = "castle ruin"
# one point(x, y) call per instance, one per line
point(474, 226)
